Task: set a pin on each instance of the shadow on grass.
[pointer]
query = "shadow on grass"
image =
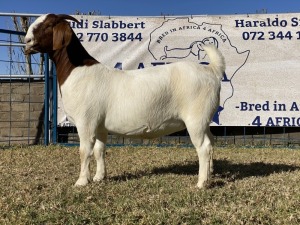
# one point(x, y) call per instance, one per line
point(223, 169)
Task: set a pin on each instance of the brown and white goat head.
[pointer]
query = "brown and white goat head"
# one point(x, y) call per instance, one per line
point(48, 33)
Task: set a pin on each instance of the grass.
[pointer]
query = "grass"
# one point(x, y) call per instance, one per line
point(148, 185)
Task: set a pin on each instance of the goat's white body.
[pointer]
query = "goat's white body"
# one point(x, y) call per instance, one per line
point(143, 103)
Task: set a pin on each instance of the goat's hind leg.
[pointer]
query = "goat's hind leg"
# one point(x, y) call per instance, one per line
point(99, 153)
point(203, 145)
point(211, 139)
point(205, 152)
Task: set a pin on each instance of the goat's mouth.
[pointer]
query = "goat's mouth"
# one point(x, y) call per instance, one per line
point(29, 50)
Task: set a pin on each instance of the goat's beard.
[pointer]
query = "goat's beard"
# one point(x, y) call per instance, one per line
point(31, 50)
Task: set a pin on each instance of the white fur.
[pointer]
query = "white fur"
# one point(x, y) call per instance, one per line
point(144, 103)
point(29, 38)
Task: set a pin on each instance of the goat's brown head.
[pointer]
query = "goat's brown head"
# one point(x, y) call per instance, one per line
point(48, 33)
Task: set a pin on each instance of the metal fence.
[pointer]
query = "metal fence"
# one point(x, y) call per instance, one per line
point(28, 111)
point(223, 136)
point(22, 105)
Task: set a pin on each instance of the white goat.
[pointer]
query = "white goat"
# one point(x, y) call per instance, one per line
point(145, 103)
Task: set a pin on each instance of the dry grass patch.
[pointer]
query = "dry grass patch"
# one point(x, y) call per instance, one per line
point(150, 186)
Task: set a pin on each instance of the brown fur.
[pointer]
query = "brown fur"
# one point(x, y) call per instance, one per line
point(55, 36)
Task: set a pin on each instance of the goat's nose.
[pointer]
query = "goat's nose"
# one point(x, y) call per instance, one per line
point(27, 40)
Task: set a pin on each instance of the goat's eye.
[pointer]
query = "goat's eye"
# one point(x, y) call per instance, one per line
point(47, 28)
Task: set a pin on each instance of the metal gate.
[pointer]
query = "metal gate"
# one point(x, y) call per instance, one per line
point(28, 111)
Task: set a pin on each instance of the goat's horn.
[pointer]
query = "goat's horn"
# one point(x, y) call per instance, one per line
point(67, 17)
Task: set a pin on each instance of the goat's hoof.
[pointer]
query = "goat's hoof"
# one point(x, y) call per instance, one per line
point(98, 178)
point(203, 185)
point(81, 182)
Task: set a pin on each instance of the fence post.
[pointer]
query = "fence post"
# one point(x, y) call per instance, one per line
point(54, 105)
point(46, 102)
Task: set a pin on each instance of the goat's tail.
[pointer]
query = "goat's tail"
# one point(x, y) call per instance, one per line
point(217, 61)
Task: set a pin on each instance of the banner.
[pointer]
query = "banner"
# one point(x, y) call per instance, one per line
point(261, 84)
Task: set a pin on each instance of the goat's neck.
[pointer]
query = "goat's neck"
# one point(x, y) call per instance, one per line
point(63, 65)
point(70, 57)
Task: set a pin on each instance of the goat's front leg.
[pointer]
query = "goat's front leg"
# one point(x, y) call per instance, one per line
point(99, 153)
point(86, 151)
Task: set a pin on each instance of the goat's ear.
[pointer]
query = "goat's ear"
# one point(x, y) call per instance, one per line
point(62, 34)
